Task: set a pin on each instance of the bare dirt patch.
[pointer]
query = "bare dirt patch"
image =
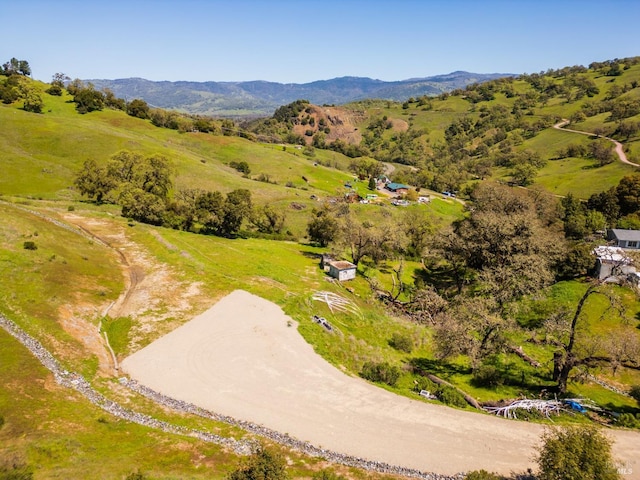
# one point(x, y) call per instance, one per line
point(155, 295)
point(242, 359)
point(342, 124)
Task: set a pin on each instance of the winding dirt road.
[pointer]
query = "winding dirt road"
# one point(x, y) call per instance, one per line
point(619, 147)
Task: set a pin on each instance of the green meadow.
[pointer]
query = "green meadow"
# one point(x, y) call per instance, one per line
point(70, 275)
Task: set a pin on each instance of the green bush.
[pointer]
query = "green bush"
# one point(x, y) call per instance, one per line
point(401, 342)
point(242, 167)
point(450, 396)
point(326, 474)
point(30, 245)
point(576, 453)
point(380, 372)
point(628, 420)
point(262, 465)
point(423, 383)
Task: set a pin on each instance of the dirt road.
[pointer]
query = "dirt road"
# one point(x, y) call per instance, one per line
point(619, 147)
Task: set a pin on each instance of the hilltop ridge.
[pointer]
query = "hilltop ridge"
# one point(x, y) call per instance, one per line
point(259, 97)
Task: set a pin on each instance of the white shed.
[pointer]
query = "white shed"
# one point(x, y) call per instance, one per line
point(342, 270)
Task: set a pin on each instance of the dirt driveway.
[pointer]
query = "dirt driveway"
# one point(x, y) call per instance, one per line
point(241, 359)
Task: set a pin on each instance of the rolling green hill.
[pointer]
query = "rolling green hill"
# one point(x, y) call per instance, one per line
point(74, 270)
point(487, 130)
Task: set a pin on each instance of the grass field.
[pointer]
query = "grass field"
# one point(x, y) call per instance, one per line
point(62, 287)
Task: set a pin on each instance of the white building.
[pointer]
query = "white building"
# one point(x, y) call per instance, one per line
point(342, 270)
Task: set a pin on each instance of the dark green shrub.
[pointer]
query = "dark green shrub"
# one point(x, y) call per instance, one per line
point(629, 420)
point(242, 167)
point(576, 453)
point(450, 396)
point(423, 383)
point(262, 465)
point(523, 414)
point(30, 245)
point(380, 372)
point(401, 342)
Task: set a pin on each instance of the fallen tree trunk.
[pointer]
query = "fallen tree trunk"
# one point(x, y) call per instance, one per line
point(519, 352)
point(469, 399)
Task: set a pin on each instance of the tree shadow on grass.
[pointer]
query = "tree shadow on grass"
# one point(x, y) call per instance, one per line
point(444, 279)
point(494, 374)
point(423, 366)
point(312, 255)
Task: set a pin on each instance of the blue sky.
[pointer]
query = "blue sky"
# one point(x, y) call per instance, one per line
point(293, 41)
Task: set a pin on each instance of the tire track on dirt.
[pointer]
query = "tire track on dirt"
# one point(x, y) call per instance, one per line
point(135, 273)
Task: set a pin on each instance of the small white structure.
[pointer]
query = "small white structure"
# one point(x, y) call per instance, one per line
point(342, 270)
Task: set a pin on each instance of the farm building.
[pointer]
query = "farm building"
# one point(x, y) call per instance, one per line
point(342, 270)
point(624, 238)
point(397, 188)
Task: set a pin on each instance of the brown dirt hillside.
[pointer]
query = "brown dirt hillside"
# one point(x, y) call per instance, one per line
point(342, 123)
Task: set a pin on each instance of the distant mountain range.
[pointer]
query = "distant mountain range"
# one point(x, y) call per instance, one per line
point(261, 98)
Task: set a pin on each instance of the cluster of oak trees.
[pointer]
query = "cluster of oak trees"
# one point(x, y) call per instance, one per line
point(512, 244)
point(142, 187)
point(15, 86)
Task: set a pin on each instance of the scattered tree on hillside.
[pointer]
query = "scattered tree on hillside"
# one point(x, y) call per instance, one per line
point(9, 92)
point(268, 219)
point(323, 227)
point(378, 241)
point(236, 208)
point(578, 347)
point(87, 99)
point(472, 326)
point(15, 66)
point(125, 170)
point(138, 108)
point(209, 211)
point(141, 205)
point(32, 99)
point(366, 168)
point(57, 84)
point(93, 181)
point(506, 242)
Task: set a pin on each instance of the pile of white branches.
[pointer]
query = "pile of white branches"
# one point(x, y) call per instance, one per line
point(546, 407)
point(337, 303)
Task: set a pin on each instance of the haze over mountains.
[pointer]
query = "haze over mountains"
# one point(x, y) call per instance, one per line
point(258, 98)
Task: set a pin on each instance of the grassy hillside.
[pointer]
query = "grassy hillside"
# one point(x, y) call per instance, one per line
point(482, 130)
point(66, 262)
